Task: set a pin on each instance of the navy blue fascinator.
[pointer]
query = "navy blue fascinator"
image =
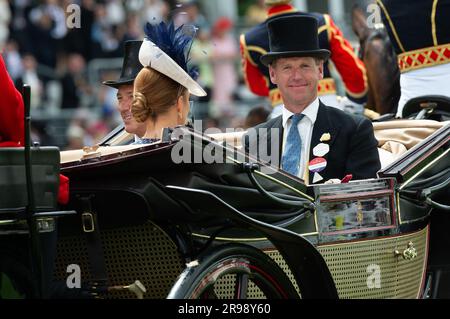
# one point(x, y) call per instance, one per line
point(166, 49)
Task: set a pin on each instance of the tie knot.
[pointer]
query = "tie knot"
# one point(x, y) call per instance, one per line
point(296, 118)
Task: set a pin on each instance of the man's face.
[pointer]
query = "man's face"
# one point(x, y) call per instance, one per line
point(125, 98)
point(297, 79)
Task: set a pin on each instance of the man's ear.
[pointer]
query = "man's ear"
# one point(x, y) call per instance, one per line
point(321, 69)
point(272, 74)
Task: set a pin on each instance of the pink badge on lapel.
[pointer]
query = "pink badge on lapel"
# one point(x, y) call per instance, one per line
point(317, 164)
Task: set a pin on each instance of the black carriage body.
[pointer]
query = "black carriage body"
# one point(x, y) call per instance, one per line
point(128, 190)
point(362, 229)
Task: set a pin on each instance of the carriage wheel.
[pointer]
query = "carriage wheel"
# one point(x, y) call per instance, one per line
point(246, 264)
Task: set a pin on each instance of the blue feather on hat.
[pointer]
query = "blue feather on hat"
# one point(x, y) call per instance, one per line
point(176, 43)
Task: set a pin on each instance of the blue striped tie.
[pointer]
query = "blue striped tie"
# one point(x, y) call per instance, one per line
point(293, 147)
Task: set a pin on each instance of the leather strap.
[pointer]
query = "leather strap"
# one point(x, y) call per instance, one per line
point(95, 251)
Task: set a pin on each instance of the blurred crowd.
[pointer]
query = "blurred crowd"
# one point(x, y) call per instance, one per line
point(65, 64)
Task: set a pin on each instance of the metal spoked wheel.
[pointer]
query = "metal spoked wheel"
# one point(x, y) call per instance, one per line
point(247, 265)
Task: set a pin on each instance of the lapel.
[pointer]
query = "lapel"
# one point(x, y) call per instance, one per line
point(323, 125)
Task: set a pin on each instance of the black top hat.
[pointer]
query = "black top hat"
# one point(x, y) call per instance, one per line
point(131, 65)
point(293, 36)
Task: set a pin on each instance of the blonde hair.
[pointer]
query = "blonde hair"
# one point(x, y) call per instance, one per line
point(154, 94)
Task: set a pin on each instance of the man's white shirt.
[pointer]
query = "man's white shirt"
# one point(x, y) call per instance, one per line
point(305, 129)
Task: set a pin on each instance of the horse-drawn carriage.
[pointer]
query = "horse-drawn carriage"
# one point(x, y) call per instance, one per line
point(141, 224)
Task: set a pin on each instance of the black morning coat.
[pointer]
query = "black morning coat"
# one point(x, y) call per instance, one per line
point(353, 147)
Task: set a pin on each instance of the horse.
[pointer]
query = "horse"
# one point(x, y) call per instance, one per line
point(378, 55)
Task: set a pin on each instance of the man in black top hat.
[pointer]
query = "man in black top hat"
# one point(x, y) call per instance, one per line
point(255, 42)
point(124, 85)
point(315, 142)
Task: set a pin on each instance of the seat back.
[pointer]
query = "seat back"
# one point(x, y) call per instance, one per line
point(440, 104)
point(13, 184)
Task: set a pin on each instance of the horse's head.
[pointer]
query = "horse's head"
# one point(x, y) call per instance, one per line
point(360, 26)
point(378, 55)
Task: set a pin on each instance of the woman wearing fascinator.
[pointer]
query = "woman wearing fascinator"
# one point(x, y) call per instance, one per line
point(162, 88)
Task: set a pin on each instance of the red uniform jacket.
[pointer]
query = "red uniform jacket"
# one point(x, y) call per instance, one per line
point(11, 111)
point(12, 123)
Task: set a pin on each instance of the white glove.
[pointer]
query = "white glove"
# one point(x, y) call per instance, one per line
point(349, 106)
point(333, 181)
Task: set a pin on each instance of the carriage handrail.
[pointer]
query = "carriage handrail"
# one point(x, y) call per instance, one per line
point(437, 205)
point(422, 182)
point(300, 203)
point(426, 193)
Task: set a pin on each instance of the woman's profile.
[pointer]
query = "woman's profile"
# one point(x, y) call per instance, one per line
point(163, 87)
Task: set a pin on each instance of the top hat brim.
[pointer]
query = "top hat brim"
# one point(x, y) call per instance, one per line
point(116, 84)
point(268, 58)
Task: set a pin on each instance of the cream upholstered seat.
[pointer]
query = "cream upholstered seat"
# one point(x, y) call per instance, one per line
point(397, 137)
point(93, 152)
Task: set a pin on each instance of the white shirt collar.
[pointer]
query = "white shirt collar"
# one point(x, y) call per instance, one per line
point(310, 112)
